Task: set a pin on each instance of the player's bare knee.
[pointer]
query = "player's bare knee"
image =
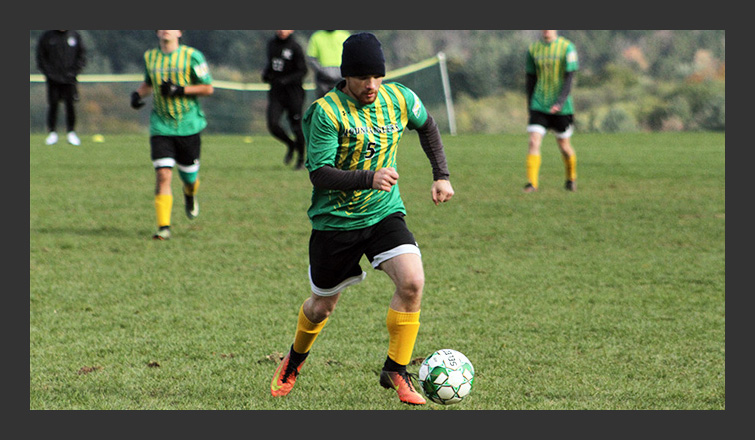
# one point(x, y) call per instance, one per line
point(318, 308)
point(411, 286)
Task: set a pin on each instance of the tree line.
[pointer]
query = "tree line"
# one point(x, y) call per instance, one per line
point(628, 79)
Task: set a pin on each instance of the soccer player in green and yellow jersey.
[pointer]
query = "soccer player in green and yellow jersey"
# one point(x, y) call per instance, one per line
point(352, 135)
point(175, 75)
point(550, 67)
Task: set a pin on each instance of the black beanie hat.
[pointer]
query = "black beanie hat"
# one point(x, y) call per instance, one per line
point(362, 55)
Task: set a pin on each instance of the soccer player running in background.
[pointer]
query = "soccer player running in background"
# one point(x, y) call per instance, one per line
point(551, 65)
point(284, 71)
point(352, 137)
point(324, 56)
point(175, 75)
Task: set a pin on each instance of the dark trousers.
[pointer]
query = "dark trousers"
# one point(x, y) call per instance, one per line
point(67, 93)
point(290, 101)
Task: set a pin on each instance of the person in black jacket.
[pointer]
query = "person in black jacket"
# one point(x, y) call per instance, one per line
point(285, 71)
point(61, 56)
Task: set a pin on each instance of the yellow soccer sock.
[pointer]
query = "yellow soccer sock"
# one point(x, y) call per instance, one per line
point(191, 189)
point(306, 332)
point(402, 333)
point(570, 164)
point(163, 207)
point(533, 168)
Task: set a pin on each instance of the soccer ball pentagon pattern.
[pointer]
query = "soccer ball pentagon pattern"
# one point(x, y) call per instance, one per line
point(446, 376)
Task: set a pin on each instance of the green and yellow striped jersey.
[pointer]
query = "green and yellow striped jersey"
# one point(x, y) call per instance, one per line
point(179, 115)
point(550, 61)
point(342, 133)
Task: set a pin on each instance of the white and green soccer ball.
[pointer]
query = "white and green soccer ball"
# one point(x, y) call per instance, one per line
point(446, 376)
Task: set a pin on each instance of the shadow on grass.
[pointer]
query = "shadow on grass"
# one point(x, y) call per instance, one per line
point(103, 231)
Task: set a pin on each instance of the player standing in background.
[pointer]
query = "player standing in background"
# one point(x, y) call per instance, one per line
point(285, 71)
point(61, 56)
point(353, 134)
point(175, 75)
point(551, 65)
point(324, 56)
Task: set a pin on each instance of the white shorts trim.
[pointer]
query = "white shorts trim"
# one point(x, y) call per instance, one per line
point(333, 290)
point(535, 128)
point(565, 134)
point(398, 250)
point(539, 129)
point(164, 162)
point(193, 168)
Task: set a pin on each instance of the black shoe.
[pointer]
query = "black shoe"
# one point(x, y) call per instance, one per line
point(571, 185)
point(528, 188)
point(289, 156)
point(192, 206)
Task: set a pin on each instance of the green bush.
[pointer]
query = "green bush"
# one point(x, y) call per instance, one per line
point(712, 115)
point(618, 119)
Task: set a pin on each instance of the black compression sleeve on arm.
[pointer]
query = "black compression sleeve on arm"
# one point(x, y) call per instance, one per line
point(328, 177)
point(566, 89)
point(429, 139)
point(530, 87)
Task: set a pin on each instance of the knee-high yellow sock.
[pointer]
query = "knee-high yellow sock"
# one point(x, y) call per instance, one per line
point(402, 333)
point(306, 332)
point(570, 164)
point(533, 168)
point(163, 207)
point(191, 189)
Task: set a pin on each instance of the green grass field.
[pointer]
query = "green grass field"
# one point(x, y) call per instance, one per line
point(609, 298)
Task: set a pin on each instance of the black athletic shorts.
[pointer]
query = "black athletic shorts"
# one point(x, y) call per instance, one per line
point(334, 255)
point(557, 123)
point(169, 150)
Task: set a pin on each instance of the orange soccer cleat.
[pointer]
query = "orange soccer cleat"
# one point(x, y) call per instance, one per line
point(402, 383)
point(285, 377)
